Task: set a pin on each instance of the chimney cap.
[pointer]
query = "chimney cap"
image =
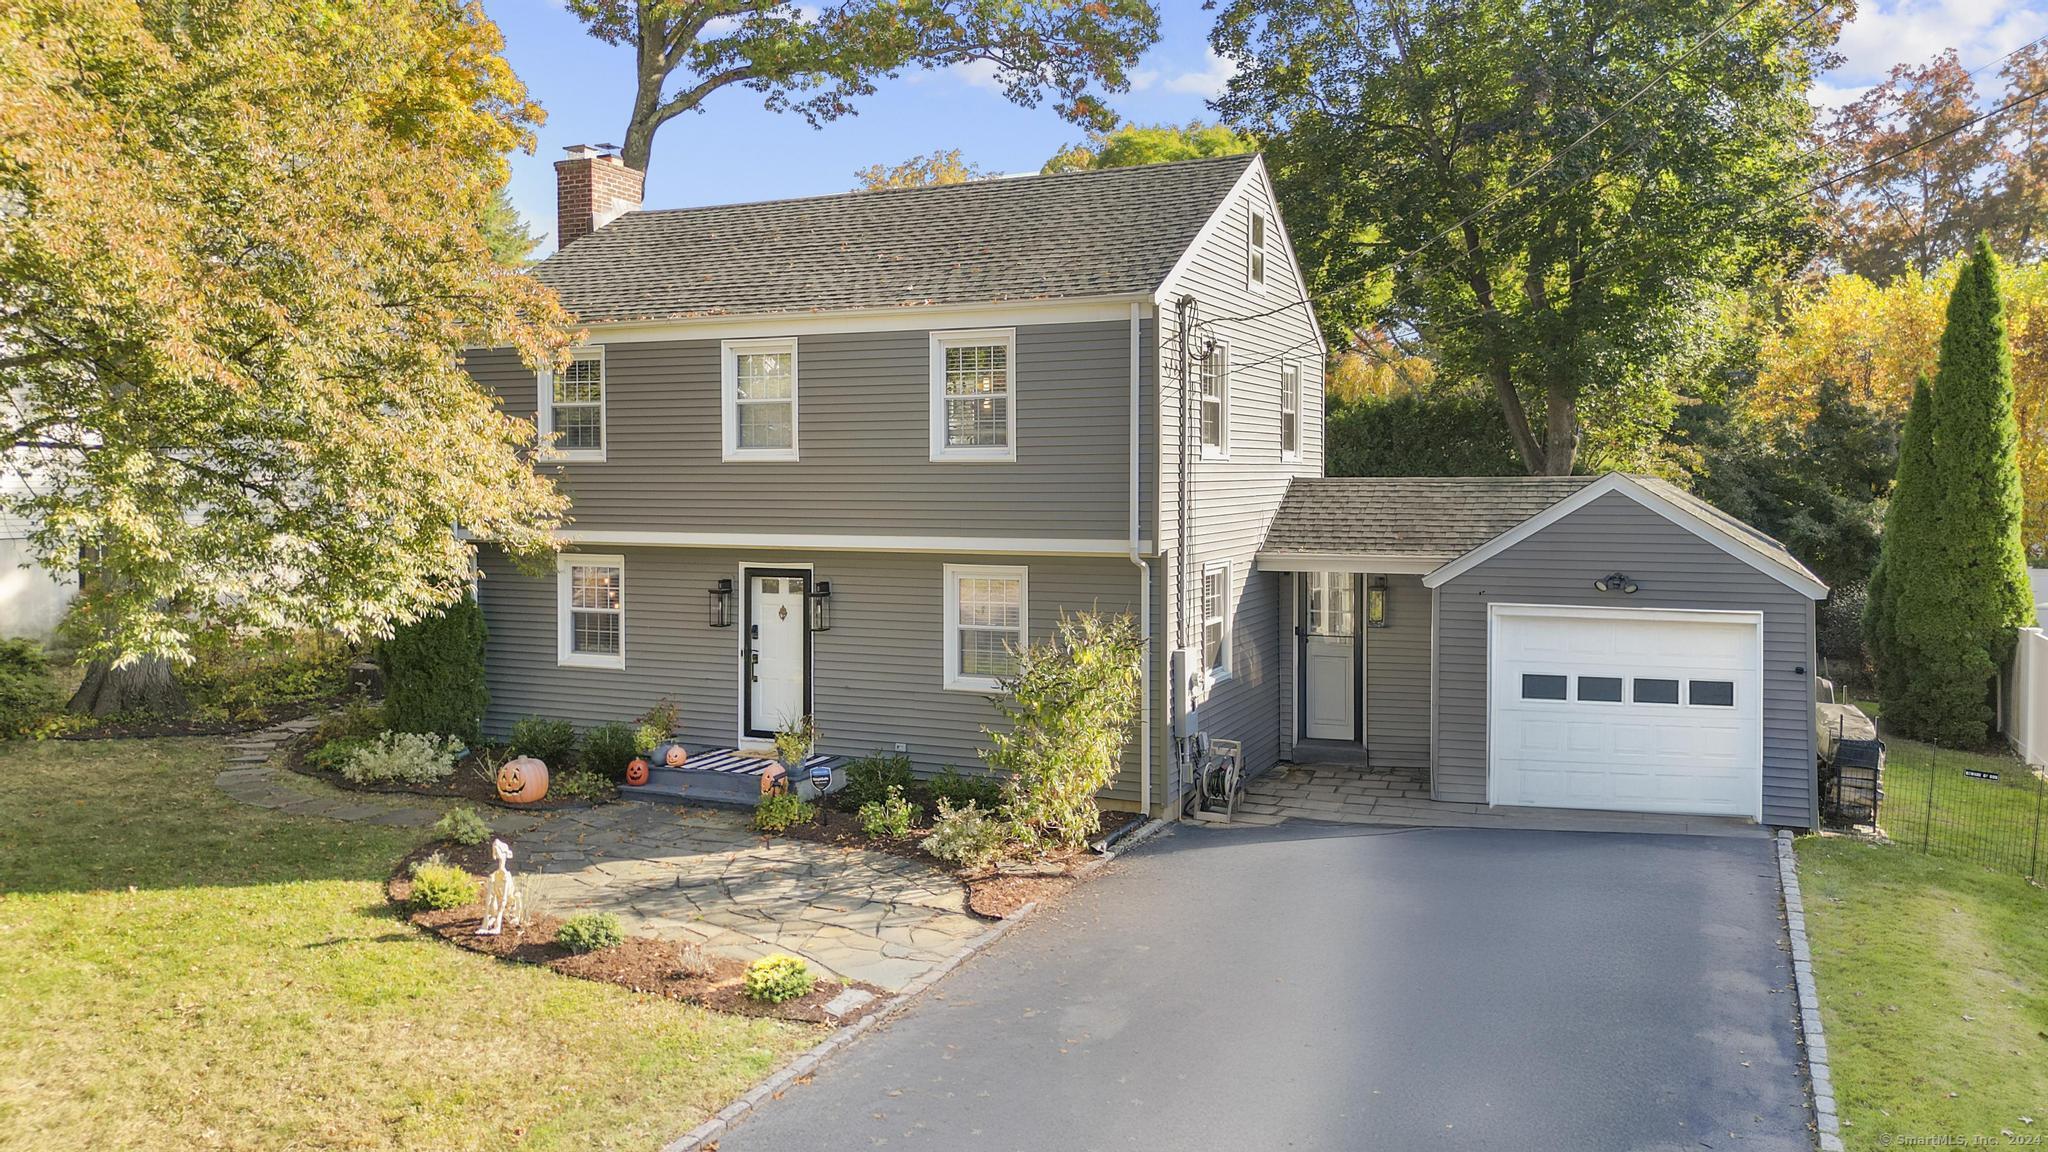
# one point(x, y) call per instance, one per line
point(587, 151)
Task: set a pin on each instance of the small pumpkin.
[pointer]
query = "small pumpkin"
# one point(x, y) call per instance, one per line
point(673, 756)
point(774, 780)
point(636, 771)
point(522, 780)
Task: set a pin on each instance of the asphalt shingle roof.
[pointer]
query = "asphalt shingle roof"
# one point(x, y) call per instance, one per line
point(1098, 233)
point(1428, 517)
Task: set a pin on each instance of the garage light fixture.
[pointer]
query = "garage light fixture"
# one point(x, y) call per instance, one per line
point(1615, 582)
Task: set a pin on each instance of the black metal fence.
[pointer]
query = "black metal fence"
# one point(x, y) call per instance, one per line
point(1987, 809)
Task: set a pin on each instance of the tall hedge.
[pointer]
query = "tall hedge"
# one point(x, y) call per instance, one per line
point(1909, 526)
point(1957, 612)
point(1448, 433)
point(434, 673)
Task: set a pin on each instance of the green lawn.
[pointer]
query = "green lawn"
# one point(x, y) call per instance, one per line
point(180, 971)
point(1933, 977)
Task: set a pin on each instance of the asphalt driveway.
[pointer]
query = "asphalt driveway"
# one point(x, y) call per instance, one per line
point(1317, 987)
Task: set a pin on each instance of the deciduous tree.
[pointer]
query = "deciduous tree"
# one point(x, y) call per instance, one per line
point(241, 251)
point(815, 61)
point(941, 166)
point(1558, 191)
point(1150, 144)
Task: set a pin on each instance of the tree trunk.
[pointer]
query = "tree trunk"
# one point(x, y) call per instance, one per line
point(143, 686)
point(1517, 417)
point(1560, 430)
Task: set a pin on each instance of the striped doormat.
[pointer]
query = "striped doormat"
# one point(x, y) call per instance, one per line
point(738, 763)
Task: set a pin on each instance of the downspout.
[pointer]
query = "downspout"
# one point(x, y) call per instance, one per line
point(1185, 307)
point(1144, 587)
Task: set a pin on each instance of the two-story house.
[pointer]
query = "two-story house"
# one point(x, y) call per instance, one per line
point(839, 456)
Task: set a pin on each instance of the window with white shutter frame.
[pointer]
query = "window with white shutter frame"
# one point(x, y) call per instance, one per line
point(572, 407)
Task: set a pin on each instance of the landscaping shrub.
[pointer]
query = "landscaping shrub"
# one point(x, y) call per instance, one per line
point(436, 886)
point(607, 748)
point(401, 758)
point(657, 725)
point(778, 977)
point(27, 689)
point(357, 720)
point(244, 675)
point(869, 779)
point(984, 791)
point(890, 816)
point(590, 932)
point(463, 826)
point(552, 742)
point(692, 961)
point(434, 673)
point(581, 785)
point(775, 813)
point(1072, 708)
point(968, 835)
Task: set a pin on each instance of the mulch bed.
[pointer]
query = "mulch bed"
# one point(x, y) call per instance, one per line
point(153, 727)
point(641, 964)
point(470, 782)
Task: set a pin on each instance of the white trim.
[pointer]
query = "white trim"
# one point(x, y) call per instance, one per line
point(729, 352)
point(1168, 290)
point(1219, 672)
point(744, 590)
point(544, 403)
point(810, 542)
point(565, 656)
point(908, 318)
point(1222, 449)
point(973, 338)
point(1290, 367)
point(1392, 564)
point(1260, 250)
point(950, 591)
point(1679, 515)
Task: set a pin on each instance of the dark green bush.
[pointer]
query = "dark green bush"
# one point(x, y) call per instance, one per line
point(434, 674)
point(590, 932)
point(552, 742)
point(27, 690)
point(463, 826)
point(984, 791)
point(243, 676)
point(869, 779)
point(1444, 433)
point(607, 748)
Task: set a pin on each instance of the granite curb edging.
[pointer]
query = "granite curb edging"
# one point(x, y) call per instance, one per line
point(705, 1135)
point(1827, 1119)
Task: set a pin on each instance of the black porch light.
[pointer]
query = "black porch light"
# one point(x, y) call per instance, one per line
point(821, 606)
point(721, 604)
point(1376, 603)
point(1615, 582)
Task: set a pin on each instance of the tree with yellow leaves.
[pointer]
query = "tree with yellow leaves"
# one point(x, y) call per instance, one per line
point(1873, 341)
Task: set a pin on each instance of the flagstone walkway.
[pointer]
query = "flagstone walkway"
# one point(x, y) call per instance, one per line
point(695, 874)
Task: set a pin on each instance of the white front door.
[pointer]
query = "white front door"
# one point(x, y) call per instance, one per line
point(1636, 710)
point(777, 629)
point(1330, 657)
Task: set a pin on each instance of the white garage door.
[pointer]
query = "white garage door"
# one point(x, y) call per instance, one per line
point(1626, 709)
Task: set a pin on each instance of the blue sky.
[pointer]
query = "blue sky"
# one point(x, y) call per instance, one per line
point(736, 150)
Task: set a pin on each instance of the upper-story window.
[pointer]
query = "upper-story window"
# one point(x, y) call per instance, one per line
point(760, 399)
point(1214, 381)
point(974, 398)
point(1290, 411)
point(1259, 228)
point(590, 610)
point(572, 406)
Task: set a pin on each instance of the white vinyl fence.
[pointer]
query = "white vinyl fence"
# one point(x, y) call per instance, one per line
point(2026, 716)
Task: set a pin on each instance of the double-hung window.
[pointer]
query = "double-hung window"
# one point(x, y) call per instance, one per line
point(1258, 229)
point(1214, 381)
point(986, 615)
point(974, 395)
point(1216, 621)
point(1290, 411)
point(572, 406)
point(590, 596)
point(760, 399)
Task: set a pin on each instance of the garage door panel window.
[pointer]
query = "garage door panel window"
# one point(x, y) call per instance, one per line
point(1655, 691)
point(1538, 686)
point(1710, 693)
point(1600, 689)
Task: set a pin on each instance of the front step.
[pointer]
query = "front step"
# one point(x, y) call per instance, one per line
point(698, 786)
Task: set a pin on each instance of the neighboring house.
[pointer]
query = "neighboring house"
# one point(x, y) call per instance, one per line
point(32, 597)
point(834, 456)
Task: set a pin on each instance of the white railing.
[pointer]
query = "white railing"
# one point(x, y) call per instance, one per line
point(2026, 719)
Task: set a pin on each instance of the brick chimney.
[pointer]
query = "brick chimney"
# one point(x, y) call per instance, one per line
point(592, 189)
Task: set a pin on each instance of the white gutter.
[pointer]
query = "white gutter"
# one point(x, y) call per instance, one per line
point(1144, 587)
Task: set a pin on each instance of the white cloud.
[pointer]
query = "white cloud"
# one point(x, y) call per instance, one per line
point(978, 74)
point(1885, 34)
point(1207, 81)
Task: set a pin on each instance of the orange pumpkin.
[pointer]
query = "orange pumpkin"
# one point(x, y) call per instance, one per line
point(522, 780)
point(674, 755)
point(636, 772)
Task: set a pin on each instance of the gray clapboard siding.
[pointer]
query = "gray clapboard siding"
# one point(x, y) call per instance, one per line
point(877, 674)
point(863, 439)
point(1235, 499)
point(1674, 569)
point(1397, 678)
